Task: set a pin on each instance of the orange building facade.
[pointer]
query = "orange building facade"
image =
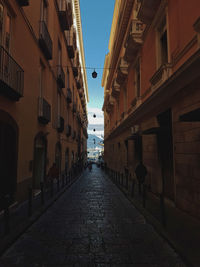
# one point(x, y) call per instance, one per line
point(43, 93)
point(151, 104)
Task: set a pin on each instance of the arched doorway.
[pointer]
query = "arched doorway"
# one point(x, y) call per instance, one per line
point(8, 157)
point(58, 157)
point(39, 163)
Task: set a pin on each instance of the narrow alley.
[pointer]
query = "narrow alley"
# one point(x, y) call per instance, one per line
point(91, 224)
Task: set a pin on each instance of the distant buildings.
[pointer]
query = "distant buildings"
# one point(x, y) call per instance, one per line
point(152, 98)
point(43, 92)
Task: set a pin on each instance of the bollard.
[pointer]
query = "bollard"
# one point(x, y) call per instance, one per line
point(42, 192)
point(127, 183)
point(144, 196)
point(63, 180)
point(51, 187)
point(7, 215)
point(162, 208)
point(30, 201)
point(58, 184)
point(133, 188)
point(122, 179)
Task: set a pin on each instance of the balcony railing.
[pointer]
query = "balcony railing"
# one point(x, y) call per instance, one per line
point(60, 77)
point(115, 89)
point(70, 45)
point(73, 134)
point(23, 2)
point(79, 81)
point(75, 71)
point(45, 41)
point(61, 124)
point(44, 111)
point(69, 96)
point(161, 75)
point(74, 108)
point(68, 130)
point(148, 10)
point(63, 15)
point(122, 72)
point(69, 12)
point(134, 40)
point(11, 76)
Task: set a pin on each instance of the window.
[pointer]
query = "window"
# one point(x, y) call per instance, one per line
point(44, 11)
point(7, 31)
point(1, 23)
point(41, 78)
point(59, 106)
point(162, 43)
point(5, 28)
point(68, 78)
point(125, 99)
point(137, 78)
point(59, 54)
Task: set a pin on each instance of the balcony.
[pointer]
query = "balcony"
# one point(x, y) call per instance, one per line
point(68, 130)
point(79, 81)
point(110, 104)
point(70, 45)
point(115, 89)
point(11, 76)
point(23, 2)
point(134, 41)
point(74, 135)
point(44, 111)
point(45, 41)
point(69, 12)
point(69, 96)
point(74, 108)
point(75, 71)
point(60, 77)
point(78, 117)
point(61, 124)
point(65, 14)
point(161, 75)
point(148, 10)
point(122, 72)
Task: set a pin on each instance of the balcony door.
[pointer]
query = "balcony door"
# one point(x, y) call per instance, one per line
point(8, 158)
point(165, 153)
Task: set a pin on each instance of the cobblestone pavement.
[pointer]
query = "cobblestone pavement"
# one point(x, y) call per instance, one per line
point(91, 224)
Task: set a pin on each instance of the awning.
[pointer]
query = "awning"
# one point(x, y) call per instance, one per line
point(193, 115)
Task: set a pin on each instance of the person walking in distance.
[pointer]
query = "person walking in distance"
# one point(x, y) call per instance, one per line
point(53, 173)
point(140, 173)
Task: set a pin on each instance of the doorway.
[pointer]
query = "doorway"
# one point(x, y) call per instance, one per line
point(39, 163)
point(8, 158)
point(165, 153)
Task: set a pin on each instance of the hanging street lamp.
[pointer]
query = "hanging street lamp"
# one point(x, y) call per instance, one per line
point(94, 74)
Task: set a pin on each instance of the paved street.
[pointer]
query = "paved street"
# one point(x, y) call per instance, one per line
point(91, 224)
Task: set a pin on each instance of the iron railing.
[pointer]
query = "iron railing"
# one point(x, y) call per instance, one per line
point(44, 111)
point(60, 76)
point(45, 40)
point(11, 76)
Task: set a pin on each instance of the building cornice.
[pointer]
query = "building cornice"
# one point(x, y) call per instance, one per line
point(80, 37)
point(118, 38)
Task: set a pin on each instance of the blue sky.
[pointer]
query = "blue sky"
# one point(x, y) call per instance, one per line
point(96, 19)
